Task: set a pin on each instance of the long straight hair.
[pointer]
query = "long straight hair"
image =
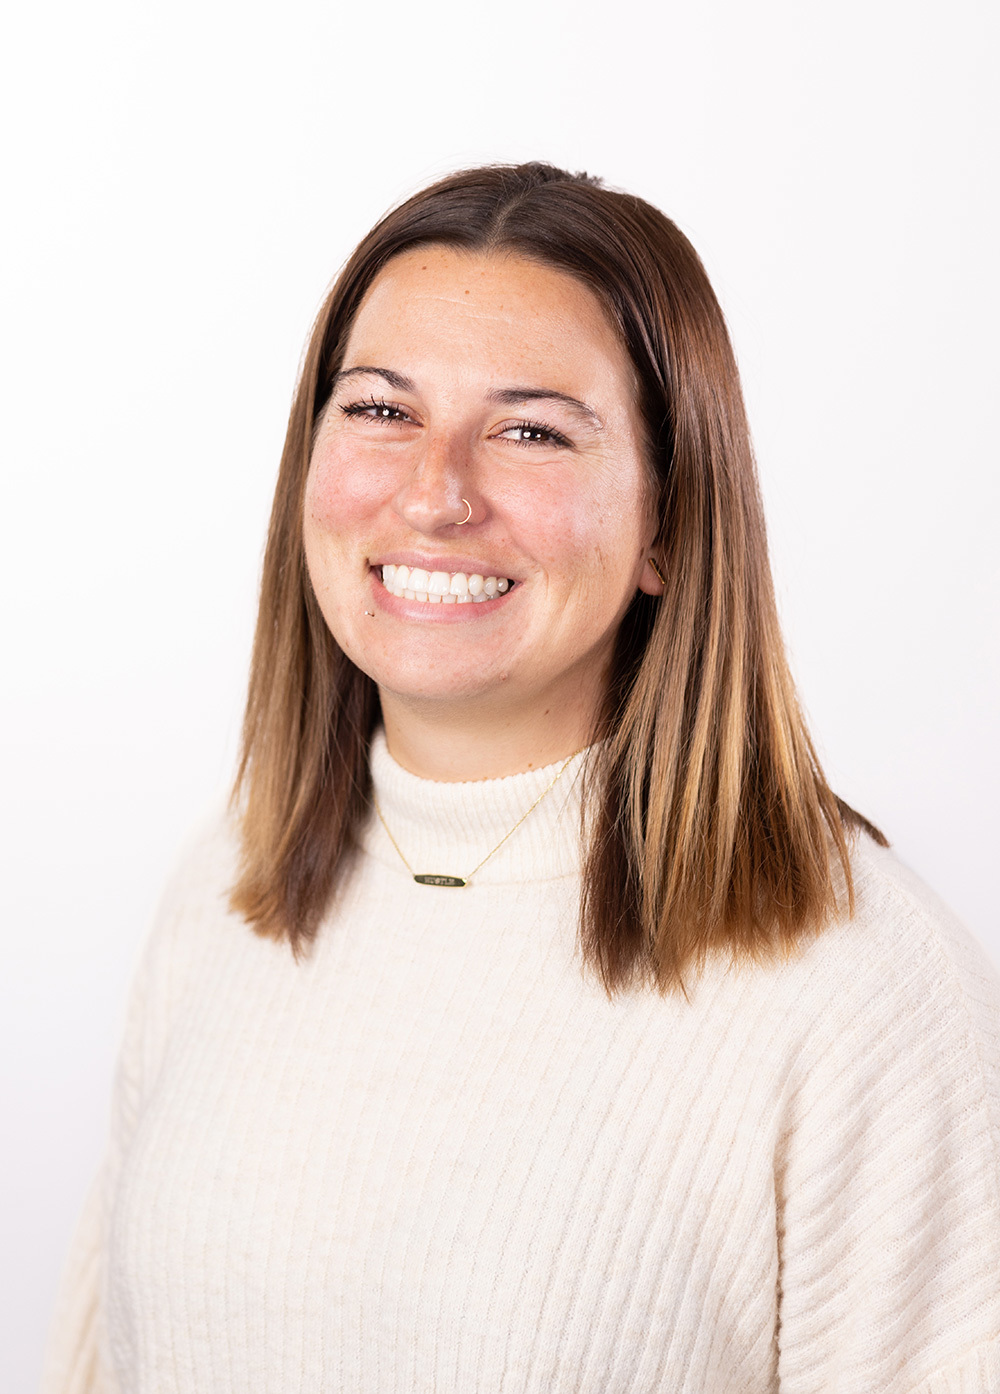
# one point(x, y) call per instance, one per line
point(710, 825)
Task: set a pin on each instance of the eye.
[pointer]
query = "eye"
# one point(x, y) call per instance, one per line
point(375, 410)
point(531, 433)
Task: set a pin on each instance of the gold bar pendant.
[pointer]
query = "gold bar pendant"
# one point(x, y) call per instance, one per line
point(426, 879)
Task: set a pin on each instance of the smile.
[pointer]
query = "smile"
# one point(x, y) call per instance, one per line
point(442, 587)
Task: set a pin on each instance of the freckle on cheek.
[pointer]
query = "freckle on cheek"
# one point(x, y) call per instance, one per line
point(326, 497)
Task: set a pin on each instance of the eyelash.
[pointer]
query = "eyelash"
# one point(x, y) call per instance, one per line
point(389, 411)
point(554, 436)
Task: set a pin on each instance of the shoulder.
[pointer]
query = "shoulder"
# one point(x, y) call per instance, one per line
point(891, 895)
point(193, 914)
point(206, 864)
point(900, 920)
point(896, 1010)
point(902, 944)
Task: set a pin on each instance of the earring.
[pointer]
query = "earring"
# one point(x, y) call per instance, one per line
point(659, 574)
point(462, 521)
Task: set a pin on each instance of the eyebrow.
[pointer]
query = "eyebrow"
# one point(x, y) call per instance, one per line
point(396, 380)
point(502, 396)
point(512, 396)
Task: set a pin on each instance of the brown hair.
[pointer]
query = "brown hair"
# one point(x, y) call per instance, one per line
point(711, 825)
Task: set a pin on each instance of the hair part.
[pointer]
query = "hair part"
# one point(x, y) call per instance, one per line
point(710, 825)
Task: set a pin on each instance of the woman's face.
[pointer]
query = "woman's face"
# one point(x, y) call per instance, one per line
point(500, 382)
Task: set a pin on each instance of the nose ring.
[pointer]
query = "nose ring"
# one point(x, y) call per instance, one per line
point(468, 515)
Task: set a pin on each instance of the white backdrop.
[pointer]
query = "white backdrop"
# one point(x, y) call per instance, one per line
point(182, 181)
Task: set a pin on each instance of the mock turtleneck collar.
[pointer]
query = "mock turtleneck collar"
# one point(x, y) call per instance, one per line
point(446, 828)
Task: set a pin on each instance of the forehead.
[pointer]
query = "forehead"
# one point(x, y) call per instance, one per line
point(526, 315)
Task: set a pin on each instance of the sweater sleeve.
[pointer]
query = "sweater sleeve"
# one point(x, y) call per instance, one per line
point(73, 1354)
point(77, 1357)
point(888, 1168)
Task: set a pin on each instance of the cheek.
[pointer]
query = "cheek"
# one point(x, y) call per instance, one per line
point(594, 527)
point(338, 492)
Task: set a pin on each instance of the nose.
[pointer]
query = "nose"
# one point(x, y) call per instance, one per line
point(434, 493)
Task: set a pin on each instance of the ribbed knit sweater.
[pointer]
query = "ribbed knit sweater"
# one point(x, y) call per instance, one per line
point(434, 1156)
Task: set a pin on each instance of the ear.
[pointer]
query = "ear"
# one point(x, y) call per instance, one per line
point(651, 579)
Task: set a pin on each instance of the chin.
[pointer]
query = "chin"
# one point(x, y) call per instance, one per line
point(455, 687)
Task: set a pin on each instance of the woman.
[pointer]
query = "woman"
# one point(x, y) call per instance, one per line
point(540, 1020)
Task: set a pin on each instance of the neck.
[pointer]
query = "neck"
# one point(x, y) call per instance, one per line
point(453, 743)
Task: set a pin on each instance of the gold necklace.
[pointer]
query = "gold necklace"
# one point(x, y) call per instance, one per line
point(427, 878)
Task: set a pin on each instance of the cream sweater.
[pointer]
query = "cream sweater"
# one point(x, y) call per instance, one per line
point(435, 1157)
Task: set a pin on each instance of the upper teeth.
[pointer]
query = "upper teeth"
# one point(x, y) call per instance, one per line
point(437, 587)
